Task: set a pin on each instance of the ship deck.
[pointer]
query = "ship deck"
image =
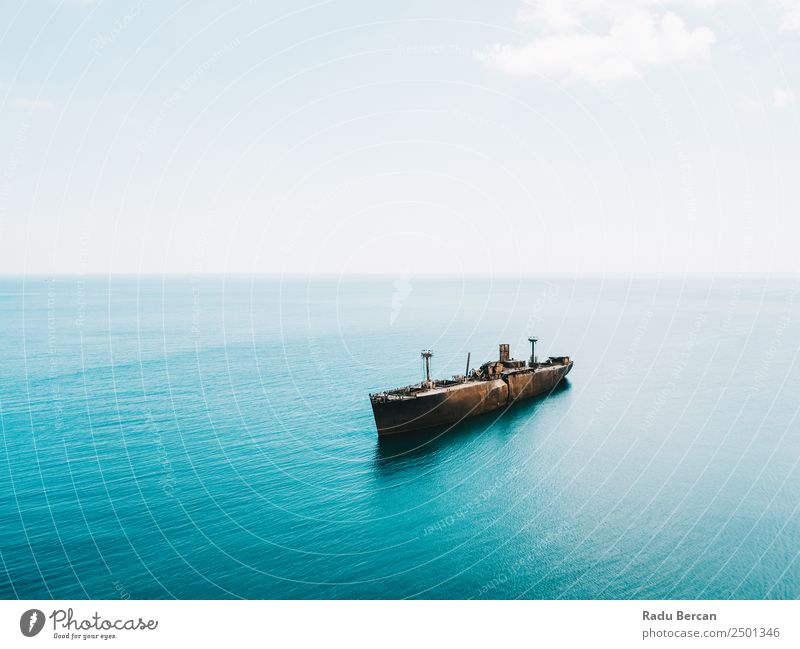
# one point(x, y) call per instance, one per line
point(415, 391)
point(448, 385)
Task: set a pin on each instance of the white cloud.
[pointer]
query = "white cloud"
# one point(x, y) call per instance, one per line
point(600, 41)
point(32, 104)
point(782, 98)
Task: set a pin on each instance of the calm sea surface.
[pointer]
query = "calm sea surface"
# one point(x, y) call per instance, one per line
point(212, 438)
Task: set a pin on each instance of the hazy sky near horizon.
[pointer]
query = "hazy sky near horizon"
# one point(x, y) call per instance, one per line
point(581, 136)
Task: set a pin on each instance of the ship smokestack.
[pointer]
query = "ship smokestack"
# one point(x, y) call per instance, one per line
point(504, 352)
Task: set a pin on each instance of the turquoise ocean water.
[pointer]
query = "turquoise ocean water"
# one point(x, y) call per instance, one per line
point(212, 438)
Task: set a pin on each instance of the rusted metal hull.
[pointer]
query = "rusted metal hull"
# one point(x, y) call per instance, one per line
point(526, 383)
point(446, 406)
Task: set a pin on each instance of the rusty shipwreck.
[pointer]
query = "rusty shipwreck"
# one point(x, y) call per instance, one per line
point(496, 384)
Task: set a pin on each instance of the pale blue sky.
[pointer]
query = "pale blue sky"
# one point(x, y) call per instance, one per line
point(583, 136)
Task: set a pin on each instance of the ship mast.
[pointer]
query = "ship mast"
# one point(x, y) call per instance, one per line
point(532, 340)
point(426, 357)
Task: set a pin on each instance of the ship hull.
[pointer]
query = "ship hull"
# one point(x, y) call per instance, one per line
point(527, 384)
point(439, 407)
point(448, 406)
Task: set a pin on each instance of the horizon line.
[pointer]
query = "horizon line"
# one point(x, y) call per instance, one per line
point(395, 275)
